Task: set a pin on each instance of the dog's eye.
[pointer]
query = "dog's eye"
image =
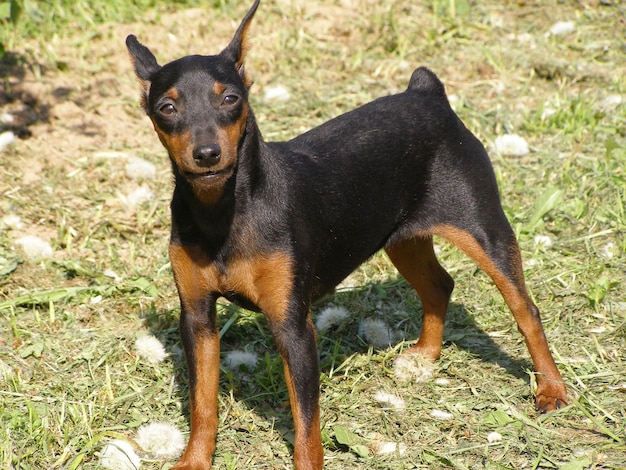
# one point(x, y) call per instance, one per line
point(167, 109)
point(230, 100)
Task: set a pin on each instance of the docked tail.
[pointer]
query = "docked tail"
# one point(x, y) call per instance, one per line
point(425, 81)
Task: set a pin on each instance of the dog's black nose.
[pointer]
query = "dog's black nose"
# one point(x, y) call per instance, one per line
point(207, 155)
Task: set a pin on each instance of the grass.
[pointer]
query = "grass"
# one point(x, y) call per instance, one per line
point(70, 378)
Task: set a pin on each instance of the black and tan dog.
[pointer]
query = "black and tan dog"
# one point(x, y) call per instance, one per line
point(274, 226)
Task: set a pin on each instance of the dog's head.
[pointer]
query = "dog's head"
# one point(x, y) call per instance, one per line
point(199, 108)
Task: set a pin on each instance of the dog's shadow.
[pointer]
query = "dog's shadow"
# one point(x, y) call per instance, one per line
point(260, 389)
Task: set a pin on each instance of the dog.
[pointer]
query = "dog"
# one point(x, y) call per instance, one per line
point(274, 226)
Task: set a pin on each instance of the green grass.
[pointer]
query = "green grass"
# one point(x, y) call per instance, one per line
point(70, 378)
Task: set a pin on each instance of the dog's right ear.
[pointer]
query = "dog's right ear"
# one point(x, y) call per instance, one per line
point(145, 65)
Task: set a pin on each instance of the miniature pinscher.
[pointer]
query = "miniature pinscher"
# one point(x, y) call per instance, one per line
point(274, 226)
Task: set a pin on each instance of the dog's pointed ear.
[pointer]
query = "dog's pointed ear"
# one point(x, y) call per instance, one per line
point(145, 65)
point(236, 50)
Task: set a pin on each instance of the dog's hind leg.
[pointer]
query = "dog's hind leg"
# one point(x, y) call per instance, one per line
point(416, 261)
point(490, 241)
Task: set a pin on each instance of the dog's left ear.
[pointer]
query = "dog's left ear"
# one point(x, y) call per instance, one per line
point(236, 50)
point(145, 65)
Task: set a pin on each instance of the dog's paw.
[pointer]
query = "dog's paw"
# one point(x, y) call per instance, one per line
point(551, 398)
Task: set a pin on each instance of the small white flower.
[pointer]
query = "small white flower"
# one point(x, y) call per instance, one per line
point(161, 440)
point(237, 359)
point(139, 196)
point(442, 415)
point(276, 93)
point(389, 400)
point(442, 381)
point(561, 28)
point(377, 333)
point(330, 317)
point(34, 247)
point(413, 367)
point(511, 144)
point(6, 139)
point(383, 448)
point(119, 455)
point(138, 168)
point(494, 437)
point(542, 240)
point(150, 349)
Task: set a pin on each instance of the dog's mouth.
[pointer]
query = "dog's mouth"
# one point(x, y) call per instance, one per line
point(208, 175)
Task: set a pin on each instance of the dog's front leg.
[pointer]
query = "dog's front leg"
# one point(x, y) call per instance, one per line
point(196, 281)
point(295, 338)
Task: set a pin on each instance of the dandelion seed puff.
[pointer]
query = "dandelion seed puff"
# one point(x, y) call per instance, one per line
point(112, 274)
point(150, 349)
point(442, 415)
point(561, 28)
point(5, 370)
point(138, 168)
point(413, 368)
point(376, 332)
point(542, 240)
point(384, 448)
point(161, 440)
point(238, 359)
point(611, 102)
point(547, 112)
point(13, 221)
point(34, 247)
point(6, 118)
point(609, 250)
point(119, 455)
point(139, 196)
point(276, 93)
point(6, 139)
point(494, 437)
point(330, 317)
point(389, 400)
point(511, 144)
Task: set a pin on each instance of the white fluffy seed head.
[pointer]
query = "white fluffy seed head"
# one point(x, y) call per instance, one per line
point(542, 240)
point(511, 144)
point(34, 247)
point(442, 415)
point(413, 368)
point(377, 333)
point(150, 349)
point(385, 448)
point(331, 316)
point(161, 440)
point(140, 169)
point(138, 196)
point(118, 454)
point(276, 93)
point(389, 400)
point(238, 359)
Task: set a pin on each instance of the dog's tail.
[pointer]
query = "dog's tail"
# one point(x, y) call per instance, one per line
point(425, 81)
